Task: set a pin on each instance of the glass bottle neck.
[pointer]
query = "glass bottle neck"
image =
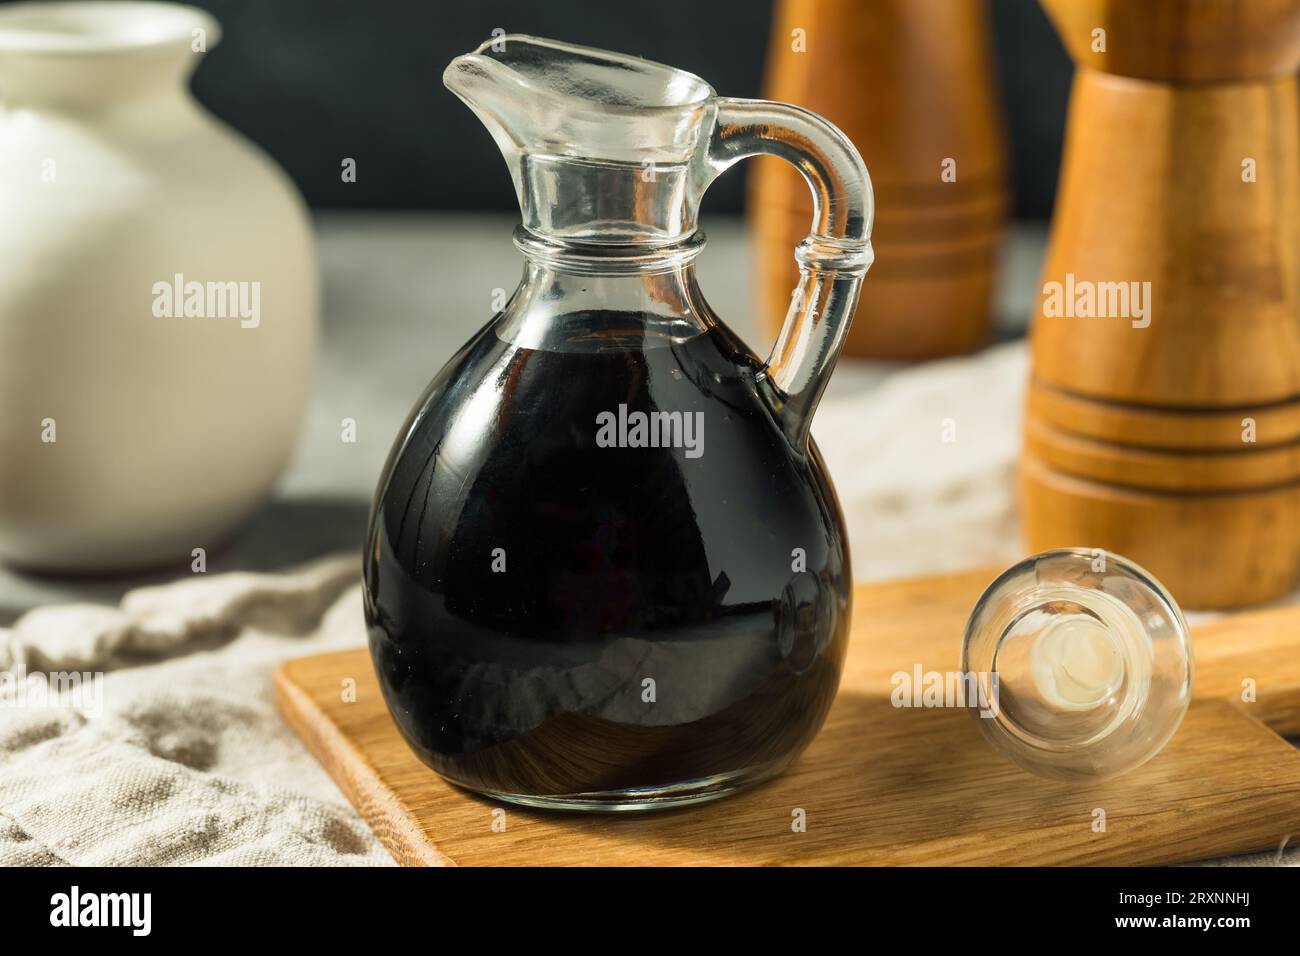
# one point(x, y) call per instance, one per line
point(574, 298)
point(565, 199)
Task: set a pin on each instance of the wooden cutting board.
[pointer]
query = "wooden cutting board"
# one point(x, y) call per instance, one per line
point(879, 785)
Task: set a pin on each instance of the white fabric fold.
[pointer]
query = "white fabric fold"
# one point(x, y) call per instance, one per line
point(184, 758)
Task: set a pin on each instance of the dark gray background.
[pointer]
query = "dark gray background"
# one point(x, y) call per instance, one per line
point(314, 81)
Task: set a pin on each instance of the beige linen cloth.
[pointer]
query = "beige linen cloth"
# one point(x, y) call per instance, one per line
point(186, 760)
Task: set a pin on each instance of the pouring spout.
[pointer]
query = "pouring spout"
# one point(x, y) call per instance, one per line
point(493, 95)
point(597, 143)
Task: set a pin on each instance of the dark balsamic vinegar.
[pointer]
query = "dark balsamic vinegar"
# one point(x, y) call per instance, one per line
point(550, 617)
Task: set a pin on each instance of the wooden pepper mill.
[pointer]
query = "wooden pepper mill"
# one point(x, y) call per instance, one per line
point(1163, 419)
point(911, 83)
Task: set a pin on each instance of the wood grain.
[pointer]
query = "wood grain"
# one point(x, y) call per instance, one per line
point(879, 785)
point(1133, 433)
point(910, 82)
point(1222, 256)
point(1213, 550)
point(1245, 468)
point(1184, 41)
point(1144, 426)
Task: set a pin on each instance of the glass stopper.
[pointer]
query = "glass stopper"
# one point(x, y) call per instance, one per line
point(1084, 660)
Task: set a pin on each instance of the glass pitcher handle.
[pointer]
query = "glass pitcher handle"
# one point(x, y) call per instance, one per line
point(832, 259)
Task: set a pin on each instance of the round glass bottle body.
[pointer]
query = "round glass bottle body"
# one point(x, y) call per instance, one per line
point(599, 574)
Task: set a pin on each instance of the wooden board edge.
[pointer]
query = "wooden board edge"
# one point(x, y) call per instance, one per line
point(1279, 715)
point(1273, 810)
point(1216, 831)
point(1181, 844)
point(392, 823)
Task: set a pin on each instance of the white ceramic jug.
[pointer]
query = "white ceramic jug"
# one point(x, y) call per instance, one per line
point(158, 295)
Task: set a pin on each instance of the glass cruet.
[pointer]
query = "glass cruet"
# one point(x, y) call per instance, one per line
point(605, 567)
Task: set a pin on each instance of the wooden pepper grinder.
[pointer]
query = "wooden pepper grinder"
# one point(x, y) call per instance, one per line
point(911, 83)
point(1163, 419)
